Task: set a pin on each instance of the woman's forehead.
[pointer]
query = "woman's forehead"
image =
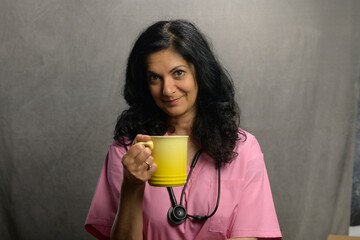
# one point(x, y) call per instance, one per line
point(166, 59)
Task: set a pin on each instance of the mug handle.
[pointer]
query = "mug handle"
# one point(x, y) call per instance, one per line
point(150, 144)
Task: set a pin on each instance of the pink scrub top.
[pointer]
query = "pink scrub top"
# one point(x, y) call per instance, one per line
point(246, 207)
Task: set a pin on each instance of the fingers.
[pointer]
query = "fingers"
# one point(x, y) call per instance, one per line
point(152, 169)
point(138, 150)
point(141, 138)
point(133, 152)
point(137, 160)
point(149, 162)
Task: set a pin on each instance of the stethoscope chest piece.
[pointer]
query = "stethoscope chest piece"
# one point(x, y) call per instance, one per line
point(177, 214)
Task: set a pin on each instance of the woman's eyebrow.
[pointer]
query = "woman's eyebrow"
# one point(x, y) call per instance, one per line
point(173, 69)
point(151, 72)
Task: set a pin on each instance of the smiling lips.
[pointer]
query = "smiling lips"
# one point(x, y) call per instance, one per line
point(173, 102)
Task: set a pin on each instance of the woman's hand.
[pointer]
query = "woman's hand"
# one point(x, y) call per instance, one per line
point(138, 167)
point(138, 163)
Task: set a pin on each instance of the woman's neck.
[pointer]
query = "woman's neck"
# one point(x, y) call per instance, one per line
point(181, 126)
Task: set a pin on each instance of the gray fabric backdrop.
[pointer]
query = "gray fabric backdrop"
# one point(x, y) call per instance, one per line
point(295, 65)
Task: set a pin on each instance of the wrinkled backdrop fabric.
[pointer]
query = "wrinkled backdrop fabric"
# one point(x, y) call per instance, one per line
point(295, 65)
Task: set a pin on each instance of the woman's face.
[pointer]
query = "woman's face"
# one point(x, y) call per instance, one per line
point(172, 83)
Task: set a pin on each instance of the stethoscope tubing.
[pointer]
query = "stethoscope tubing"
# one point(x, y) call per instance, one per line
point(173, 215)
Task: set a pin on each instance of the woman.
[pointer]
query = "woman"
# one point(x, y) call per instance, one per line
point(175, 86)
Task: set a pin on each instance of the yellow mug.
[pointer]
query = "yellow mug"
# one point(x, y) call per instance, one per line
point(170, 155)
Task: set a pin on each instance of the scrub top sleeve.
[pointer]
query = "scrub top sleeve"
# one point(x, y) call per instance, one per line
point(104, 204)
point(256, 216)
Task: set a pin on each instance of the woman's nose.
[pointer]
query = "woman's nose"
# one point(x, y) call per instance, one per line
point(168, 87)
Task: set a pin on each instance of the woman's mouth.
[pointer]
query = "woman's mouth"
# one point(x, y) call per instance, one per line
point(173, 102)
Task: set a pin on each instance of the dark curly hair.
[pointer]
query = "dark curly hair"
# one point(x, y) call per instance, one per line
point(216, 124)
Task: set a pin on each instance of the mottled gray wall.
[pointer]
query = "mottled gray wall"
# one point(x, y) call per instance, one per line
point(355, 196)
point(294, 63)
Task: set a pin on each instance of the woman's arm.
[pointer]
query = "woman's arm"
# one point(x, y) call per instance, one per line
point(128, 223)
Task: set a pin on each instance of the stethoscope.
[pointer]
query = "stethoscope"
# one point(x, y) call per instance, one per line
point(177, 213)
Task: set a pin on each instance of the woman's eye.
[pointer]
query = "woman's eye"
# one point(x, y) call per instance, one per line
point(179, 73)
point(153, 77)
